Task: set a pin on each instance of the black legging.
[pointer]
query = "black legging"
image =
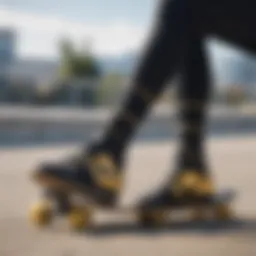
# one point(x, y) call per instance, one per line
point(180, 20)
point(194, 91)
point(177, 45)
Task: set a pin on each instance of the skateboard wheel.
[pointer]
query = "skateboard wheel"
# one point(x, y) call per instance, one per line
point(151, 218)
point(223, 212)
point(79, 218)
point(41, 214)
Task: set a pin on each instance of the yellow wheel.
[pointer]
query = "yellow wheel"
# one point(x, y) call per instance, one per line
point(223, 212)
point(41, 214)
point(198, 214)
point(152, 218)
point(79, 218)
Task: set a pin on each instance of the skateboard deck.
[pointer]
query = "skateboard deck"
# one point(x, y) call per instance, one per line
point(80, 212)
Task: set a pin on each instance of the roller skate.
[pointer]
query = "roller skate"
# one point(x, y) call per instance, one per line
point(189, 190)
point(72, 187)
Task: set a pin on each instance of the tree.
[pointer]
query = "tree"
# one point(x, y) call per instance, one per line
point(77, 64)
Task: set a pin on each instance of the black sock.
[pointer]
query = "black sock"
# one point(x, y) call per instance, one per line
point(194, 94)
point(127, 120)
point(191, 155)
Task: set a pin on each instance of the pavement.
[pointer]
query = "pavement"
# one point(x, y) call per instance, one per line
point(232, 159)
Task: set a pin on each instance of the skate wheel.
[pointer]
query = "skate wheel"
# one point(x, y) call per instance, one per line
point(152, 218)
point(41, 214)
point(79, 218)
point(223, 212)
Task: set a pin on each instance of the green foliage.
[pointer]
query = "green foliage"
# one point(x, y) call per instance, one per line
point(77, 64)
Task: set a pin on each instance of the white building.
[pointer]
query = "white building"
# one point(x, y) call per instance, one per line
point(15, 71)
point(36, 71)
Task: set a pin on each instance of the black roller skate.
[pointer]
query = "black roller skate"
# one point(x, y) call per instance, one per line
point(95, 177)
point(188, 190)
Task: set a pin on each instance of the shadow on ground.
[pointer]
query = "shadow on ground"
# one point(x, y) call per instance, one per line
point(206, 228)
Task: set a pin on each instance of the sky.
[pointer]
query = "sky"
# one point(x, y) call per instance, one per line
point(113, 27)
point(89, 10)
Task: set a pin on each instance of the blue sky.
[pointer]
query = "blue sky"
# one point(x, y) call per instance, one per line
point(89, 10)
point(114, 27)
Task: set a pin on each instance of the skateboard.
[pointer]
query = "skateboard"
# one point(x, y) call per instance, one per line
point(79, 212)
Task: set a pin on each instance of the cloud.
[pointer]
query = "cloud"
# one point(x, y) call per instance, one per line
point(39, 34)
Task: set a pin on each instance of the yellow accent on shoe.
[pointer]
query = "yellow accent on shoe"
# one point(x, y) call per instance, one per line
point(79, 218)
point(41, 213)
point(192, 183)
point(105, 172)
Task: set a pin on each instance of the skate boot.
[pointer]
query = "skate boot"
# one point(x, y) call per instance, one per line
point(186, 189)
point(95, 174)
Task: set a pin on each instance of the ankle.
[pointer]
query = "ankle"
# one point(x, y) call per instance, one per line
point(106, 149)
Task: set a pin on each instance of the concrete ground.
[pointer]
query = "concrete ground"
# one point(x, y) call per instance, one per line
point(233, 162)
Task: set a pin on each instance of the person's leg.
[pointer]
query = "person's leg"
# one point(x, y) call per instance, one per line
point(190, 180)
point(194, 92)
point(232, 22)
point(158, 64)
point(97, 171)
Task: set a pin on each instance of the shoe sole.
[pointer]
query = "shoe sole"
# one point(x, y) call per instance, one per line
point(59, 185)
point(51, 182)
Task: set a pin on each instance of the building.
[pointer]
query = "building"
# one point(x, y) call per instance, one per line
point(21, 74)
point(7, 46)
point(33, 71)
point(23, 80)
point(7, 58)
point(14, 69)
point(7, 53)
